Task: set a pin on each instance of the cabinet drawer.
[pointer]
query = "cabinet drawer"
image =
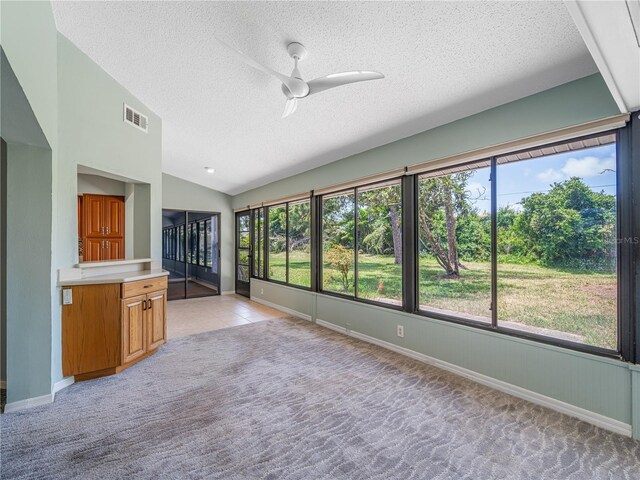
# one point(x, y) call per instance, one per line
point(141, 287)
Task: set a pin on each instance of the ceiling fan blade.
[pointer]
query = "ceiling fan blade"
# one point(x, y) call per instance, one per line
point(290, 107)
point(338, 79)
point(258, 66)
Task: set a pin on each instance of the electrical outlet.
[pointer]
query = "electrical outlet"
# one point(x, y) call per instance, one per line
point(262, 291)
point(67, 298)
point(400, 331)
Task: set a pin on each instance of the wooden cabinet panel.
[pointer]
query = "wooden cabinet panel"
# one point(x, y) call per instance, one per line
point(114, 249)
point(92, 249)
point(134, 342)
point(91, 329)
point(113, 216)
point(93, 206)
point(156, 315)
point(142, 287)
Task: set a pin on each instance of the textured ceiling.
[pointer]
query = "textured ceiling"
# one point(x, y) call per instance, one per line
point(442, 61)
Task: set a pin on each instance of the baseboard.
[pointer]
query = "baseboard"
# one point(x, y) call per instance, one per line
point(304, 316)
point(229, 292)
point(28, 403)
point(64, 383)
point(568, 409)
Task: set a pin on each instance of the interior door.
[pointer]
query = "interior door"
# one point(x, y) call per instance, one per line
point(243, 253)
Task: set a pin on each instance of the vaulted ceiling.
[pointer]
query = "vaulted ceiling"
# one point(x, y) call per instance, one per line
point(442, 61)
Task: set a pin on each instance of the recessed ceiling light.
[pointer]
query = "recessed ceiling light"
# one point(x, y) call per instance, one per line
point(210, 169)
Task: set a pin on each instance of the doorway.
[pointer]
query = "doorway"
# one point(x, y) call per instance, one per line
point(243, 253)
point(191, 253)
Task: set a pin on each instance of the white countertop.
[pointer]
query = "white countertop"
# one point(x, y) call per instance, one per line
point(120, 277)
point(113, 263)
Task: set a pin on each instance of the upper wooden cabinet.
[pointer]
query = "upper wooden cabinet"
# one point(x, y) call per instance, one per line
point(103, 215)
point(102, 227)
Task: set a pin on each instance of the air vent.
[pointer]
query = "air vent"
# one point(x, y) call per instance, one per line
point(135, 118)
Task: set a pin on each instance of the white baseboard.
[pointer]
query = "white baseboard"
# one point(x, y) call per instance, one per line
point(28, 403)
point(533, 397)
point(228, 292)
point(304, 316)
point(64, 383)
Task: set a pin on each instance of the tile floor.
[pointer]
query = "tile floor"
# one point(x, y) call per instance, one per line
point(197, 315)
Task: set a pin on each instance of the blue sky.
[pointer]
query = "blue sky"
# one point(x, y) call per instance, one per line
point(595, 166)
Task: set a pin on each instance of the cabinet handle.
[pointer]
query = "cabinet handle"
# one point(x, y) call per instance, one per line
point(144, 305)
point(108, 229)
point(150, 304)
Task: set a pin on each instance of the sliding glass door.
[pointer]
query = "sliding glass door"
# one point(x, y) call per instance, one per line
point(243, 253)
point(191, 253)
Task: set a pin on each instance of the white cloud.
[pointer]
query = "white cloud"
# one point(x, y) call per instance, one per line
point(551, 175)
point(586, 167)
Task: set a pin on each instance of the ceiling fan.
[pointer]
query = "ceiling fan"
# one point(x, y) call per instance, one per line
point(293, 86)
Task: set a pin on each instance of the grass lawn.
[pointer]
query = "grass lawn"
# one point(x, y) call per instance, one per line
point(581, 304)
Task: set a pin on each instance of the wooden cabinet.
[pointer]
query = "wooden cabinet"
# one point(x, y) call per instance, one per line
point(134, 343)
point(110, 327)
point(156, 324)
point(102, 229)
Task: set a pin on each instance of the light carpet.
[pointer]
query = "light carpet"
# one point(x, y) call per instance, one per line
point(285, 399)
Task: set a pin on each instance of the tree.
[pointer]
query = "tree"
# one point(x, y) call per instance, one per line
point(570, 225)
point(341, 259)
point(379, 220)
point(441, 201)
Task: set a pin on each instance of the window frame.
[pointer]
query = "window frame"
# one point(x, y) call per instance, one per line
point(320, 263)
point(627, 257)
point(266, 242)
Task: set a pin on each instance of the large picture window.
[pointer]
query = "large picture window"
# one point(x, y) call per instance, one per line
point(454, 251)
point(557, 242)
point(362, 243)
point(524, 243)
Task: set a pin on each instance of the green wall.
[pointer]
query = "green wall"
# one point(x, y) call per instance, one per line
point(78, 107)
point(28, 38)
point(178, 194)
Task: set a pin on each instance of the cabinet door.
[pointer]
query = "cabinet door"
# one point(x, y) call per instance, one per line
point(93, 207)
point(92, 249)
point(114, 249)
point(134, 341)
point(156, 319)
point(113, 216)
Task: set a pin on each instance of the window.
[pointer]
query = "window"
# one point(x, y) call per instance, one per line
point(258, 242)
point(524, 243)
point(207, 243)
point(278, 242)
point(556, 228)
point(299, 243)
point(181, 243)
point(338, 253)
point(369, 217)
point(379, 252)
point(454, 251)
